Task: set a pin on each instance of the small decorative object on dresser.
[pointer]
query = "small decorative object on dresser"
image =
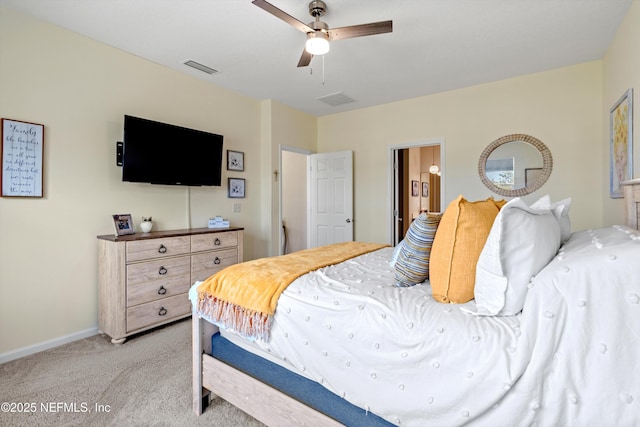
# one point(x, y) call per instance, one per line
point(123, 224)
point(218, 222)
point(143, 279)
point(146, 225)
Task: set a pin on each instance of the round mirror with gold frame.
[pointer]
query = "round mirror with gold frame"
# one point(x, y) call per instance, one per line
point(515, 165)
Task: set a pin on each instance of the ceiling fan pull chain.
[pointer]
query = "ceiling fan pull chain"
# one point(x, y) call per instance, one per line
point(322, 70)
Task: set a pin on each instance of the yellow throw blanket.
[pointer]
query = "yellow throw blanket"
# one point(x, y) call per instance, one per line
point(243, 297)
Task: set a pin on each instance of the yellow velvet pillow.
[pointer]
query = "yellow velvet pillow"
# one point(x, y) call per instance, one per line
point(460, 237)
point(499, 203)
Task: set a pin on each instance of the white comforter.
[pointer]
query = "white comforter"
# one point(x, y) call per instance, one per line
point(569, 359)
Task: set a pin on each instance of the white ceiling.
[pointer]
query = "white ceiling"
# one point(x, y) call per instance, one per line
point(436, 45)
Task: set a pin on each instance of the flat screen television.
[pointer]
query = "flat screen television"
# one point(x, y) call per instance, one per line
point(160, 153)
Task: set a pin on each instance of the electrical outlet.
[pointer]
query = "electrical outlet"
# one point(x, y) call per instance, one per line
point(237, 207)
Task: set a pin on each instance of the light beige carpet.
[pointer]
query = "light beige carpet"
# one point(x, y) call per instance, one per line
point(91, 382)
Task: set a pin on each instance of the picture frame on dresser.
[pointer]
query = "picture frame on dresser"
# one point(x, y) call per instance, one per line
point(620, 144)
point(123, 224)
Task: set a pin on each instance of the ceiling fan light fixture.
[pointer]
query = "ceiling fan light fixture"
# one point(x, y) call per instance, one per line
point(317, 43)
point(318, 32)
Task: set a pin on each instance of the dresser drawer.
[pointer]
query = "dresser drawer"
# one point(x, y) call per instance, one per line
point(207, 242)
point(205, 264)
point(157, 289)
point(157, 248)
point(157, 312)
point(159, 270)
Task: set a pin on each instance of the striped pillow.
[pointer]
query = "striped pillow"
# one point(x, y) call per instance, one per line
point(412, 265)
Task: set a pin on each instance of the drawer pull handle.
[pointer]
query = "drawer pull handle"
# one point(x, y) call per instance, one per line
point(217, 242)
point(162, 271)
point(216, 261)
point(162, 290)
point(162, 249)
point(162, 312)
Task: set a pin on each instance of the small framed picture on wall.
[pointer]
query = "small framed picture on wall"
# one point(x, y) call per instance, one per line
point(425, 189)
point(236, 188)
point(235, 160)
point(414, 188)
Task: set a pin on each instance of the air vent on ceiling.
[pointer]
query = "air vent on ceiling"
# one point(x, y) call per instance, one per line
point(193, 64)
point(336, 99)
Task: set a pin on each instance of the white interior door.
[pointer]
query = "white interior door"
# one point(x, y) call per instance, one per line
point(331, 198)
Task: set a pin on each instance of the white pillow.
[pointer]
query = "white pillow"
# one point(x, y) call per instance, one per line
point(521, 242)
point(396, 253)
point(560, 210)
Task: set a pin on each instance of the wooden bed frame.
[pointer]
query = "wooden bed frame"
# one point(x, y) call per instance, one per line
point(271, 406)
point(631, 190)
point(252, 396)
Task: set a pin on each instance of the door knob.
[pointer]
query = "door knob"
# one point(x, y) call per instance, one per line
point(348, 220)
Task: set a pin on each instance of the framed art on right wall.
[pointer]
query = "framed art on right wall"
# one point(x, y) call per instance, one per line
point(620, 143)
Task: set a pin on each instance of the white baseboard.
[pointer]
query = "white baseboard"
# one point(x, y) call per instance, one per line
point(46, 345)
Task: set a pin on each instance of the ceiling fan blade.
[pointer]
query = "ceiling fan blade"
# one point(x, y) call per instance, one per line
point(361, 30)
point(278, 13)
point(305, 59)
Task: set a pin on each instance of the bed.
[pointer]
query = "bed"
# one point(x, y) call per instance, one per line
point(372, 352)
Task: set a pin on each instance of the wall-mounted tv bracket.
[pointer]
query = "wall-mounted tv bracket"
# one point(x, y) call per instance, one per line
point(119, 153)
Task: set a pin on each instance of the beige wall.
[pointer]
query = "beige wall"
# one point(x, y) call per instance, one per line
point(286, 127)
point(294, 199)
point(621, 72)
point(80, 90)
point(560, 107)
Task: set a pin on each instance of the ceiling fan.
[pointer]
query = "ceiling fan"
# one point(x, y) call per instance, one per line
point(318, 32)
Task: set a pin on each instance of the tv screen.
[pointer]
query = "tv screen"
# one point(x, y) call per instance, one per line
point(160, 153)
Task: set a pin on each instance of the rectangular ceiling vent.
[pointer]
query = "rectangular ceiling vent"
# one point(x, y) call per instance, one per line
point(336, 99)
point(193, 64)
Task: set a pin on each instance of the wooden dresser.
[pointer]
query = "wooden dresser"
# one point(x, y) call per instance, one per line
point(631, 190)
point(143, 279)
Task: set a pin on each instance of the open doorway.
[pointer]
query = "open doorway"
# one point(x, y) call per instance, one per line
point(416, 184)
point(293, 199)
